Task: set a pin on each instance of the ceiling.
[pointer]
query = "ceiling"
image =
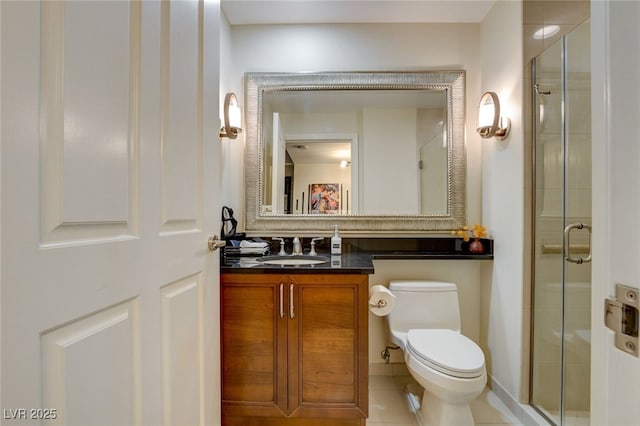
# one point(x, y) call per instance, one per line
point(318, 151)
point(241, 12)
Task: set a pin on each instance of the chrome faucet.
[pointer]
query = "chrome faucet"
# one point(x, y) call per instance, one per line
point(297, 247)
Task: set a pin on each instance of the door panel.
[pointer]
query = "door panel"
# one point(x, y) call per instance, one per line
point(254, 341)
point(96, 356)
point(561, 324)
point(616, 248)
point(182, 348)
point(328, 366)
point(97, 101)
point(327, 340)
point(546, 375)
point(89, 141)
point(577, 294)
point(106, 317)
point(250, 317)
point(279, 166)
point(182, 116)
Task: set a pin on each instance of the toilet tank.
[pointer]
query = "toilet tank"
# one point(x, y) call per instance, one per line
point(424, 304)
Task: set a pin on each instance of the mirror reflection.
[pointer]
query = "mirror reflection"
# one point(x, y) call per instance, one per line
point(369, 151)
point(355, 152)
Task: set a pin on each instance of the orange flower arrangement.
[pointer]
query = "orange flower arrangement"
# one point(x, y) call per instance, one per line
point(476, 231)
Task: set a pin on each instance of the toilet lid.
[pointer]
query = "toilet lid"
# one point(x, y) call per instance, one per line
point(447, 351)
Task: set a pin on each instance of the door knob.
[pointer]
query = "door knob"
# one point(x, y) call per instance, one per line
point(214, 243)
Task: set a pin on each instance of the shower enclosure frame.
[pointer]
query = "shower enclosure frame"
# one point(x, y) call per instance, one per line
point(536, 249)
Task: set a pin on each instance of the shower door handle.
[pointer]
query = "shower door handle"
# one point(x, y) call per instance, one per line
point(567, 243)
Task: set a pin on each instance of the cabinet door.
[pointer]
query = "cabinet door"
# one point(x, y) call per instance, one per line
point(328, 354)
point(254, 342)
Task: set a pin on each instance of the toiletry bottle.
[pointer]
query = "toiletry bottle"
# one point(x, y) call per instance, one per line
point(336, 242)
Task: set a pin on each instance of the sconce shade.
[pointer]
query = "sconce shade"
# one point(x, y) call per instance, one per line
point(490, 123)
point(232, 117)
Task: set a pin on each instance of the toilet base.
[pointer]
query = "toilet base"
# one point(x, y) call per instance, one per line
point(432, 411)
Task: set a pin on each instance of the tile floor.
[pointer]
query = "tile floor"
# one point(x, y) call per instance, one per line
point(572, 418)
point(388, 405)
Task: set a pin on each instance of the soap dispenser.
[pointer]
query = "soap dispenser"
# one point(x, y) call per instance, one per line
point(336, 242)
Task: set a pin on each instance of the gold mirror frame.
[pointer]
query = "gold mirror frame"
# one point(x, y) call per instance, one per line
point(256, 84)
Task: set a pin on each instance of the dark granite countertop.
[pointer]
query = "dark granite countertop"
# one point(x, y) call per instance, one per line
point(358, 255)
point(351, 263)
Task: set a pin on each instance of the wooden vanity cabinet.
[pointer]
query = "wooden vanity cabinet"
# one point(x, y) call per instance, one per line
point(294, 349)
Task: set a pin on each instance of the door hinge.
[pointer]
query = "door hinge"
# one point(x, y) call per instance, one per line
point(621, 316)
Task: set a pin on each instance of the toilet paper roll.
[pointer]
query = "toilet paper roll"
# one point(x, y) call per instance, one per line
point(381, 300)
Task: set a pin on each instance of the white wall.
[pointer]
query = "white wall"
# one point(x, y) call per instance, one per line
point(503, 198)
point(371, 47)
point(320, 123)
point(232, 173)
point(389, 162)
point(365, 47)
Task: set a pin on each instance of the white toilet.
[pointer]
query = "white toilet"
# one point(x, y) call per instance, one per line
point(425, 323)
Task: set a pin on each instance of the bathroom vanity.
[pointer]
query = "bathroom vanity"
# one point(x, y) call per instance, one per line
point(294, 347)
point(295, 337)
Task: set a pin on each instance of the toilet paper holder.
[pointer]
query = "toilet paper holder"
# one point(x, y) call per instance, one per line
point(380, 304)
point(381, 300)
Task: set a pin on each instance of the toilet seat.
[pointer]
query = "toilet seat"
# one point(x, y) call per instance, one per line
point(446, 351)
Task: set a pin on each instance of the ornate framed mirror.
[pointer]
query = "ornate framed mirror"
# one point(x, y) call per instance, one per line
point(374, 152)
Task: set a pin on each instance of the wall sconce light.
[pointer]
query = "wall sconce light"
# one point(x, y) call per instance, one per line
point(232, 117)
point(490, 123)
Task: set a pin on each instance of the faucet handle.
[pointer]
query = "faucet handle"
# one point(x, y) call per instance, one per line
point(282, 251)
point(312, 252)
point(297, 247)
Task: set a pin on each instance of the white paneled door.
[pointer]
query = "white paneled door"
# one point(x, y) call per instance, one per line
point(110, 178)
point(615, 387)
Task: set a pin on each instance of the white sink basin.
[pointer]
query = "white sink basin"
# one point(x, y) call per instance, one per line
point(293, 260)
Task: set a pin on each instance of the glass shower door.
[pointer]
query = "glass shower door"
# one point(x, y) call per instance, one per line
point(562, 288)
